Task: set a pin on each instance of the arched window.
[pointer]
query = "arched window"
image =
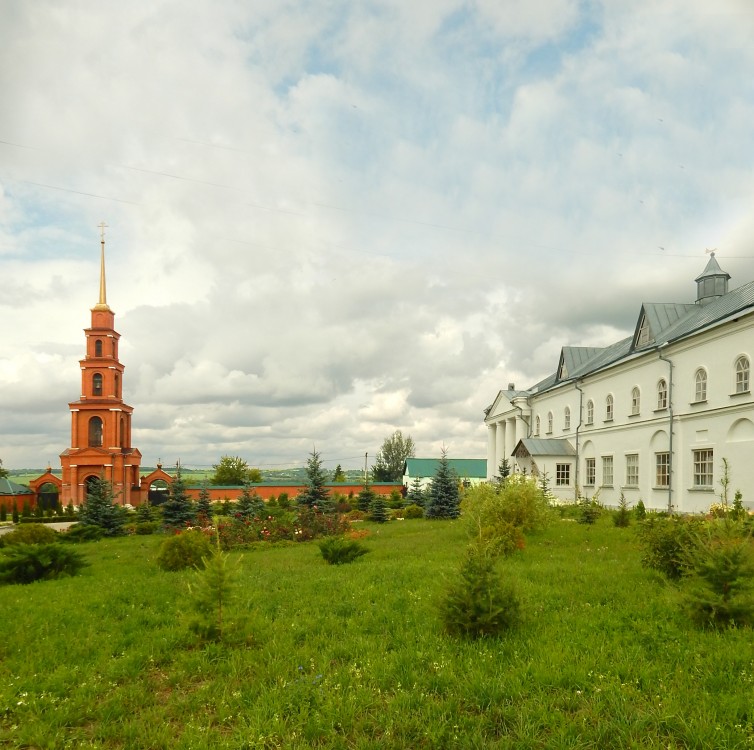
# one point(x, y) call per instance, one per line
point(742, 375)
point(700, 385)
point(590, 412)
point(97, 384)
point(567, 418)
point(635, 401)
point(537, 426)
point(122, 438)
point(609, 408)
point(662, 394)
point(98, 348)
point(117, 385)
point(95, 432)
point(549, 422)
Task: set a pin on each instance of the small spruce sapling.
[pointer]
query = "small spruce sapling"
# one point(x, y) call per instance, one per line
point(378, 510)
point(622, 516)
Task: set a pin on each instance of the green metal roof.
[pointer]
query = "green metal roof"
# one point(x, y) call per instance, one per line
point(11, 488)
point(464, 467)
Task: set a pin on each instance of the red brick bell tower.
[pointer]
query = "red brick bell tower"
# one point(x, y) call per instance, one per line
point(100, 420)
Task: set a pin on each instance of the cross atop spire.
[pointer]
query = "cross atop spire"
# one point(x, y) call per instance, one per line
point(102, 304)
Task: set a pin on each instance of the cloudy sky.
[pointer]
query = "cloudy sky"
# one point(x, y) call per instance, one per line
point(331, 219)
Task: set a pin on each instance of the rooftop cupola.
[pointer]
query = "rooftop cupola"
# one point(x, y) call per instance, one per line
point(711, 283)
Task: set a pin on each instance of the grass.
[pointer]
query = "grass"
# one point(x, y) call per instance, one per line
point(354, 657)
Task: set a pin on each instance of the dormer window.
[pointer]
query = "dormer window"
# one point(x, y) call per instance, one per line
point(645, 333)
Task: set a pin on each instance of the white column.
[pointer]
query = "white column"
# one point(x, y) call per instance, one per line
point(499, 446)
point(491, 454)
point(510, 442)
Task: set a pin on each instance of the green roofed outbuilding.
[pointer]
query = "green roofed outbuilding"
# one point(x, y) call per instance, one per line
point(470, 471)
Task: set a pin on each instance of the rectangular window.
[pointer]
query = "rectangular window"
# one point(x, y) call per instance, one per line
point(662, 469)
point(562, 475)
point(703, 460)
point(591, 472)
point(607, 471)
point(632, 469)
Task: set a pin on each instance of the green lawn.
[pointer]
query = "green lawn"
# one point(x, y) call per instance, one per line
point(353, 656)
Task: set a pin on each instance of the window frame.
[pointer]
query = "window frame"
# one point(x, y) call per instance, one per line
point(590, 472)
point(700, 386)
point(703, 467)
point(609, 407)
point(98, 384)
point(537, 425)
point(632, 470)
point(662, 394)
point(549, 423)
point(743, 374)
point(563, 475)
point(635, 401)
point(590, 412)
point(608, 462)
point(662, 469)
point(567, 418)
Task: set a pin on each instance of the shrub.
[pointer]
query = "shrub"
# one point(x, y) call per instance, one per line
point(720, 562)
point(336, 550)
point(640, 512)
point(26, 563)
point(184, 550)
point(378, 510)
point(146, 527)
point(413, 511)
point(589, 510)
point(525, 504)
point(665, 540)
point(82, 533)
point(489, 522)
point(622, 517)
point(211, 595)
point(32, 533)
point(478, 603)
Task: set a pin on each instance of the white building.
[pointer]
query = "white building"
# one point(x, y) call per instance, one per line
point(652, 416)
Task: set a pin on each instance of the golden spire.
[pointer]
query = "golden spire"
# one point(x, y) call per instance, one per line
point(102, 304)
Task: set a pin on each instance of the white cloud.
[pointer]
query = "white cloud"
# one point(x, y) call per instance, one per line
point(329, 221)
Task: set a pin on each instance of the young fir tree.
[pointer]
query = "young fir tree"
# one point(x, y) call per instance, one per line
point(204, 506)
point(503, 472)
point(144, 513)
point(316, 492)
point(444, 498)
point(177, 510)
point(339, 475)
point(415, 493)
point(249, 505)
point(99, 508)
point(378, 511)
point(365, 498)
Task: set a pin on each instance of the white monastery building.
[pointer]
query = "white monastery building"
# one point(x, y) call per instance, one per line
point(652, 416)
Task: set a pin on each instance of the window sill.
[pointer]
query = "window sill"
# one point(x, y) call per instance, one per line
point(701, 489)
point(661, 409)
point(698, 403)
point(606, 486)
point(661, 487)
point(740, 393)
point(630, 487)
point(634, 414)
point(608, 420)
point(589, 424)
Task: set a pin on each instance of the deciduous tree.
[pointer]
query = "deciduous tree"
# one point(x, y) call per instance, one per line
point(234, 471)
point(388, 466)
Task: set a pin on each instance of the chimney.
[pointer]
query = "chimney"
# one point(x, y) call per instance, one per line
point(511, 386)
